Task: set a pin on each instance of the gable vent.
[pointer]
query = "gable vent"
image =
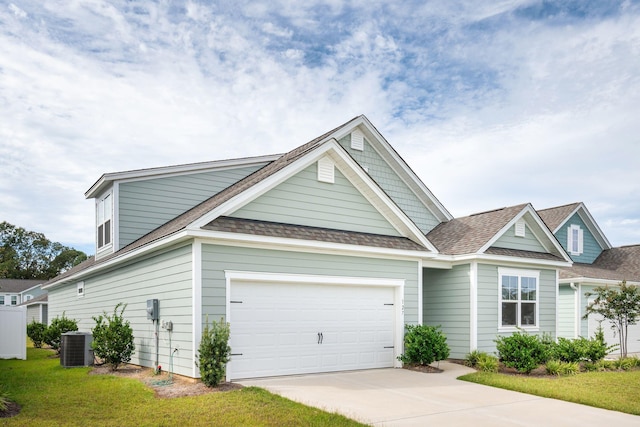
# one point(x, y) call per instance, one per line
point(357, 140)
point(326, 170)
point(520, 228)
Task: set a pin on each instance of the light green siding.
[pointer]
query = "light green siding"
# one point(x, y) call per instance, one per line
point(216, 259)
point(303, 200)
point(392, 184)
point(166, 276)
point(145, 205)
point(33, 313)
point(488, 321)
point(529, 242)
point(446, 302)
point(590, 246)
point(566, 312)
point(584, 302)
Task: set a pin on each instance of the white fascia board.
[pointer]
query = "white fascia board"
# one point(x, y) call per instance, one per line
point(592, 281)
point(416, 185)
point(313, 246)
point(165, 171)
point(502, 260)
point(380, 200)
point(593, 227)
point(533, 215)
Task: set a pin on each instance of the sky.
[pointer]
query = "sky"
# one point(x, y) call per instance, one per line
point(492, 104)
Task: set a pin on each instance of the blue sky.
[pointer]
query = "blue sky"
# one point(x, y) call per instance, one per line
point(491, 103)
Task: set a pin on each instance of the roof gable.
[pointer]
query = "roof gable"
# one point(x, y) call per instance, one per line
point(479, 233)
point(555, 218)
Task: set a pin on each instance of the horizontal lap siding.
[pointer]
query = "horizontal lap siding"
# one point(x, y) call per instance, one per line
point(166, 276)
point(216, 259)
point(566, 312)
point(446, 303)
point(145, 205)
point(528, 243)
point(488, 305)
point(392, 184)
point(303, 200)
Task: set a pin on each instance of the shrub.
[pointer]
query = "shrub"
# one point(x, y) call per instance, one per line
point(35, 332)
point(625, 363)
point(59, 326)
point(472, 358)
point(424, 345)
point(213, 353)
point(487, 363)
point(597, 347)
point(553, 367)
point(522, 351)
point(113, 338)
point(4, 399)
point(568, 350)
point(557, 367)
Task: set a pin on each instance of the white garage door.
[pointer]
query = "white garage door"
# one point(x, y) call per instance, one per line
point(633, 340)
point(285, 329)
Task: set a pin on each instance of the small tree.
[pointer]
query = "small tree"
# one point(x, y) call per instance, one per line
point(214, 352)
point(54, 332)
point(113, 338)
point(36, 331)
point(424, 345)
point(620, 305)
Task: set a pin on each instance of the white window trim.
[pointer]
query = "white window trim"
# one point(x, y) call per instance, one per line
point(108, 246)
point(570, 241)
point(11, 299)
point(520, 273)
point(80, 290)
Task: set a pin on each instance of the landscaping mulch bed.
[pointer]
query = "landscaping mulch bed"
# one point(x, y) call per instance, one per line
point(163, 387)
point(12, 410)
point(427, 369)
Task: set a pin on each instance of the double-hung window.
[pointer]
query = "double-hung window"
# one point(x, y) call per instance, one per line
point(14, 299)
point(575, 240)
point(518, 305)
point(104, 214)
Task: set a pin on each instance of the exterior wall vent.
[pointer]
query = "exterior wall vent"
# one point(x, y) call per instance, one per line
point(326, 170)
point(75, 349)
point(357, 140)
point(520, 228)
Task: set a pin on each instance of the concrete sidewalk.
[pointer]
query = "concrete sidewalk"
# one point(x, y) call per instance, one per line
point(399, 397)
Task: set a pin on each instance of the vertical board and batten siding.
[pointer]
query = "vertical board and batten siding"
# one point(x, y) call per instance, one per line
point(566, 312)
point(590, 247)
point(303, 200)
point(166, 276)
point(446, 302)
point(216, 259)
point(392, 184)
point(145, 205)
point(488, 288)
point(509, 240)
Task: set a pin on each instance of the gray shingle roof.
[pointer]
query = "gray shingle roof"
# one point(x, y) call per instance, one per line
point(14, 286)
point(554, 217)
point(40, 299)
point(622, 263)
point(468, 234)
point(273, 229)
point(523, 254)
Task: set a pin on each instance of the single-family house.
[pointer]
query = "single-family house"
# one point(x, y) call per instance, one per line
point(596, 264)
point(14, 292)
point(317, 258)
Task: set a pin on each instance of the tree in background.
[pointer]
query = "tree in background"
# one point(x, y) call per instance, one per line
point(30, 255)
point(620, 305)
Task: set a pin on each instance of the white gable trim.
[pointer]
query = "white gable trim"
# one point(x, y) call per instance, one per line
point(591, 224)
point(552, 245)
point(355, 174)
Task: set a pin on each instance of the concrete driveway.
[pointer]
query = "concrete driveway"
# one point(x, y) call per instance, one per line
point(398, 397)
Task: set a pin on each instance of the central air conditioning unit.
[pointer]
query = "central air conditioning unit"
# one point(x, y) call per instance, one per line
point(75, 349)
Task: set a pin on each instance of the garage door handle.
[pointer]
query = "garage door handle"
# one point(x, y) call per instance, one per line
point(389, 346)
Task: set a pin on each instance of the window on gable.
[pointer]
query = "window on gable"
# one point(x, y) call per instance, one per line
point(104, 212)
point(518, 299)
point(575, 240)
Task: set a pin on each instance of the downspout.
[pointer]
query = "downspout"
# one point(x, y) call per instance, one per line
point(576, 306)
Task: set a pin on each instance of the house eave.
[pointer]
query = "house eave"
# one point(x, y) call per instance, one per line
point(501, 259)
point(591, 280)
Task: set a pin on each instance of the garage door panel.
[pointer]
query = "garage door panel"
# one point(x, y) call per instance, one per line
point(611, 336)
point(276, 327)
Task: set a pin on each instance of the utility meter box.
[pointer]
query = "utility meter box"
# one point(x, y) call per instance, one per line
point(153, 311)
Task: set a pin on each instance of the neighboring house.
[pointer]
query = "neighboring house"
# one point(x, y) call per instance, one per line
point(37, 309)
point(596, 263)
point(16, 291)
point(317, 258)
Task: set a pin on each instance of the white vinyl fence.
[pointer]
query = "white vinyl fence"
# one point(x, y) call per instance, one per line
point(13, 333)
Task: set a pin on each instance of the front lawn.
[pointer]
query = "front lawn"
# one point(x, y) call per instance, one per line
point(54, 396)
point(618, 391)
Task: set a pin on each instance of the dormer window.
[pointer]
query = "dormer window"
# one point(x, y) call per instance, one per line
point(574, 240)
point(104, 208)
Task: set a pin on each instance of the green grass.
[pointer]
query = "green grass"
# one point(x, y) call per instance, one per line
point(618, 391)
point(54, 396)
